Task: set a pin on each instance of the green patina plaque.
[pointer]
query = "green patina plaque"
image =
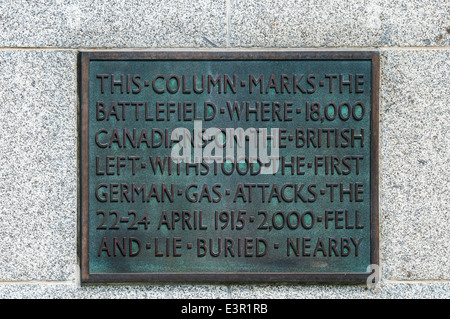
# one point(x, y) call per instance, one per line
point(228, 166)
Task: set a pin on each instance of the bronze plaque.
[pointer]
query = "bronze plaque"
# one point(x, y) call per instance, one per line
point(228, 166)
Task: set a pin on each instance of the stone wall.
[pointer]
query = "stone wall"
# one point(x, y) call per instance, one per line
point(39, 43)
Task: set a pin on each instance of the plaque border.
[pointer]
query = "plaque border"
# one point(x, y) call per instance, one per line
point(84, 58)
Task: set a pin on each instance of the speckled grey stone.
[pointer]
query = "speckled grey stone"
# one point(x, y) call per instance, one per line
point(415, 164)
point(115, 23)
point(71, 291)
point(38, 173)
point(38, 165)
point(339, 23)
point(386, 290)
point(38, 129)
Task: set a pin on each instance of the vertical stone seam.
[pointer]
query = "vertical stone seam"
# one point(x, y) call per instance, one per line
point(77, 266)
point(227, 18)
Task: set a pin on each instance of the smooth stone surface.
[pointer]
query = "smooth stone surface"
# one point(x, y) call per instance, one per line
point(117, 23)
point(339, 23)
point(415, 164)
point(38, 165)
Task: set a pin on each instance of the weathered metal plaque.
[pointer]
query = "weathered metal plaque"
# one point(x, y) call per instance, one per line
point(228, 166)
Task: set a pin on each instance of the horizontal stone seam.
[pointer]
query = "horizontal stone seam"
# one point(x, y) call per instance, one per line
point(37, 282)
point(229, 287)
point(418, 281)
point(228, 25)
point(220, 49)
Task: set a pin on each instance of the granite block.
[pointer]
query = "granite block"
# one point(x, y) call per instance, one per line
point(38, 170)
point(339, 23)
point(116, 23)
point(38, 165)
point(415, 164)
point(386, 290)
point(72, 291)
